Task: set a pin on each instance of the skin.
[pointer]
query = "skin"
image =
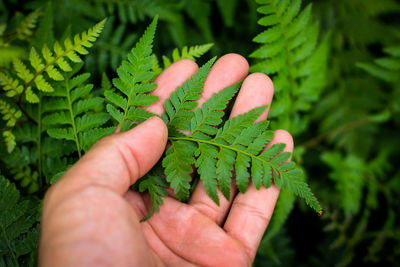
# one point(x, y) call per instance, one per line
point(91, 218)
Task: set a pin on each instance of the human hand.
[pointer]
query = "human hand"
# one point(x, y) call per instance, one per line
point(91, 218)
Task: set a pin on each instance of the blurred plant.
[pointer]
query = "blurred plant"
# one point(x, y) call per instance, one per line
point(335, 68)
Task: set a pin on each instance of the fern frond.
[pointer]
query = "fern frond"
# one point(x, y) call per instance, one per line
point(9, 114)
point(155, 185)
point(192, 53)
point(17, 224)
point(385, 68)
point(11, 86)
point(71, 115)
point(349, 183)
point(210, 115)
point(9, 139)
point(25, 28)
point(46, 61)
point(178, 163)
point(132, 83)
point(290, 51)
point(27, 179)
point(219, 151)
point(178, 108)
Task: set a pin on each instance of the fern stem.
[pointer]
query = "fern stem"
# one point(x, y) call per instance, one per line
point(225, 146)
point(9, 246)
point(122, 123)
point(29, 117)
point(78, 147)
point(12, 127)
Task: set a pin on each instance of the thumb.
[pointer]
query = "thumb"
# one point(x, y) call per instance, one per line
point(117, 161)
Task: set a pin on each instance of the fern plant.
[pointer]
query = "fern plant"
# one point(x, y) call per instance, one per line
point(213, 147)
point(70, 108)
point(133, 83)
point(385, 68)
point(9, 36)
point(17, 87)
point(11, 116)
point(292, 55)
point(18, 227)
point(216, 150)
point(192, 53)
point(290, 52)
point(46, 63)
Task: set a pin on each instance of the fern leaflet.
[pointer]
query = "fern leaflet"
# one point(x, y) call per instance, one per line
point(236, 145)
point(72, 114)
point(217, 149)
point(18, 234)
point(11, 116)
point(385, 68)
point(155, 185)
point(24, 29)
point(45, 62)
point(192, 53)
point(134, 75)
point(290, 50)
point(178, 108)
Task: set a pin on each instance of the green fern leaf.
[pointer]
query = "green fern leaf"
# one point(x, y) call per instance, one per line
point(210, 115)
point(290, 51)
point(191, 52)
point(217, 151)
point(155, 185)
point(180, 104)
point(177, 163)
point(24, 29)
point(46, 62)
point(11, 86)
point(386, 68)
point(206, 167)
point(72, 114)
point(17, 224)
point(9, 139)
point(89, 137)
point(9, 114)
point(132, 82)
point(27, 179)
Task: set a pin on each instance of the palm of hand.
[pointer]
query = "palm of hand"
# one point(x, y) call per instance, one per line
point(106, 229)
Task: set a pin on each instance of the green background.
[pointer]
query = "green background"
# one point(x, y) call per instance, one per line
point(347, 138)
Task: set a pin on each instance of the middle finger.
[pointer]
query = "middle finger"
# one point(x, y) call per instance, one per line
point(257, 90)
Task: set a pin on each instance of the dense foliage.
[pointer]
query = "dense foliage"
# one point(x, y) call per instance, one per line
point(336, 70)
